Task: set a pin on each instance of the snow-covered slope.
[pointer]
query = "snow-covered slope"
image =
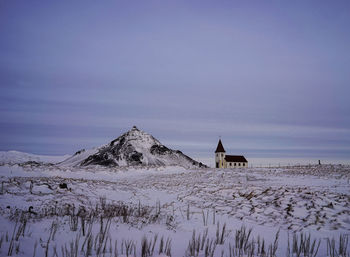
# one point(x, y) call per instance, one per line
point(135, 147)
point(79, 156)
point(15, 157)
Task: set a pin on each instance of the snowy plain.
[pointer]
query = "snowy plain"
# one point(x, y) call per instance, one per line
point(177, 211)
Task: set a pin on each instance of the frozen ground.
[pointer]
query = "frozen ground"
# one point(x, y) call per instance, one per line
point(108, 211)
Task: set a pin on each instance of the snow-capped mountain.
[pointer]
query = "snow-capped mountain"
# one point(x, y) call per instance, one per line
point(133, 148)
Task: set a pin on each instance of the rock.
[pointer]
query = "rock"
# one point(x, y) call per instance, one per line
point(63, 186)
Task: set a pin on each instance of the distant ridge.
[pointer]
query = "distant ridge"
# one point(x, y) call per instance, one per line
point(133, 148)
point(17, 157)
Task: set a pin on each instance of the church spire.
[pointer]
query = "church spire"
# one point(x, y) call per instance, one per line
point(220, 148)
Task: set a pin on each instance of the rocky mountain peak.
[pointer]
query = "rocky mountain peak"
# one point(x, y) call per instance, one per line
point(133, 148)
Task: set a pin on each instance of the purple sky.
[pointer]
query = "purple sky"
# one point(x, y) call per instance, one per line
point(271, 77)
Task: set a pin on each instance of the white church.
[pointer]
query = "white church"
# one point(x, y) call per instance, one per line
point(228, 161)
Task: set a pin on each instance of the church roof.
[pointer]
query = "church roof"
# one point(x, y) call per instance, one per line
point(235, 158)
point(220, 148)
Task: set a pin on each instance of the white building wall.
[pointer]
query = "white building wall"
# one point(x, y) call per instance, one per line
point(223, 162)
point(220, 158)
point(237, 164)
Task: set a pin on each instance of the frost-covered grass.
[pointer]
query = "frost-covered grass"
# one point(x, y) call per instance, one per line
point(163, 211)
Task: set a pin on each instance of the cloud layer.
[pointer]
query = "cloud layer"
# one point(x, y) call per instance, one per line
point(270, 79)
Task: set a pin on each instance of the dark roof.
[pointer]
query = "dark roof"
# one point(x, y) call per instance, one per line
point(220, 148)
point(235, 158)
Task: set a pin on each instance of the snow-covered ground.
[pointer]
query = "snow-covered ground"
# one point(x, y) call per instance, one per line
point(104, 211)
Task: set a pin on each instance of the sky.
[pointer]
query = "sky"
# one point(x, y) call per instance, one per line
point(271, 78)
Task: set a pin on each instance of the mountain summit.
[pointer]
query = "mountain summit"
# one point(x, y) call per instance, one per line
point(133, 148)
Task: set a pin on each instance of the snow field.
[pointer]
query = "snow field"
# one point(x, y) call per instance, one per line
point(177, 204)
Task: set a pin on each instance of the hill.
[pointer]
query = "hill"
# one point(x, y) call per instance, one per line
point(133, 148)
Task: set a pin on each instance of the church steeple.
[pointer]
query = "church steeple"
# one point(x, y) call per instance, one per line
point(220, 156)
point(220, 148)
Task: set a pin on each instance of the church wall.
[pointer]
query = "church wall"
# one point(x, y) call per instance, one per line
point(238, 165)
point(220, 158)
